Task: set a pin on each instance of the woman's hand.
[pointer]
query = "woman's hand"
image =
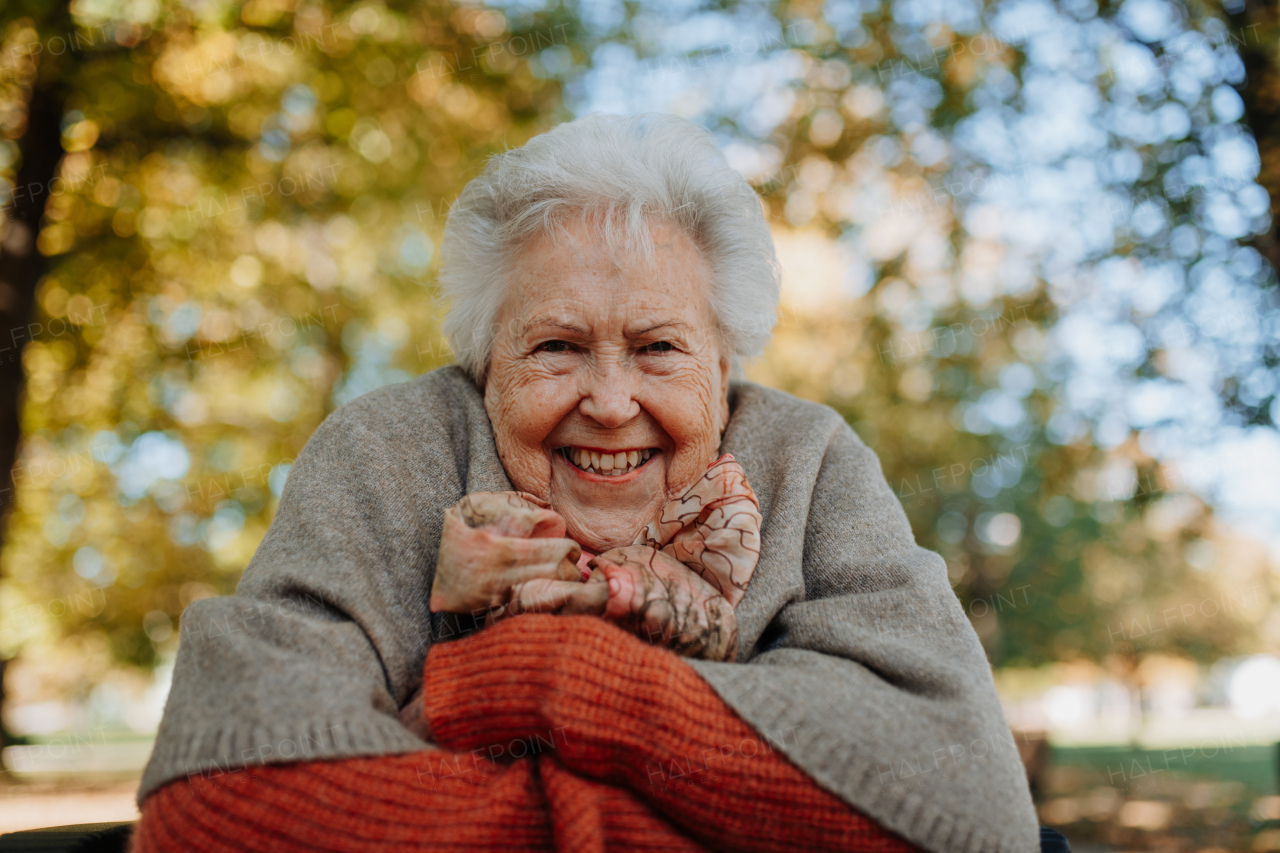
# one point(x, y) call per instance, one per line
point(505, 554)
point(495, 543)
point(663, 601)
point(648, 593)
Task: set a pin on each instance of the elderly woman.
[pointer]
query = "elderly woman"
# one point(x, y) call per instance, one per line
point(585, 590)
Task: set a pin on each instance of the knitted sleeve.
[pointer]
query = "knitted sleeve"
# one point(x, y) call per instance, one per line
point(355, 804)
point(428, 801)
point(620, 711)
point(563, 733)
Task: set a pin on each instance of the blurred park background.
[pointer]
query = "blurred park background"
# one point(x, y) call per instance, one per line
point(1030, 253)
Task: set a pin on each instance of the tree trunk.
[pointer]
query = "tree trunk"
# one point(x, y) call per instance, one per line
point(21, 266)
point(1256, 32)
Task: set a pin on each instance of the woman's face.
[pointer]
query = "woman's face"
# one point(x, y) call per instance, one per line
point(607, 387)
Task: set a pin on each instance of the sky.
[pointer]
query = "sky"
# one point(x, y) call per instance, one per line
point(1068, 199)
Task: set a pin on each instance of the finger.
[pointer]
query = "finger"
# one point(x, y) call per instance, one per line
point(458, 584)
point(548, 524)
point(727, 628)
point(626, 583)
point(545, 596)
point(667, 604)
point(590, 598)
point(477, 568)
point(642, 601)
point(689, 629)
point(533, 499)
point(639, 575)
point(720, 642)
point(487, 510)
point(659, 622)
point(527, 559)
point(510, 514)
point(691, 618)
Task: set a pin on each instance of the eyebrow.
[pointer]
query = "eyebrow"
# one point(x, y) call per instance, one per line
point(567, 325)
point(678, 324)
point(570, 326)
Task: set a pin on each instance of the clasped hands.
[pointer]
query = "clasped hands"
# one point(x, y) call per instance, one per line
point(505, 553)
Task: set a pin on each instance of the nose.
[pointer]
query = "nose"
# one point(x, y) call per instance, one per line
point(607, 399)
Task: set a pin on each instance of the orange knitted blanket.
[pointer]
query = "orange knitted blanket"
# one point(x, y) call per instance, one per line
point(558, 733)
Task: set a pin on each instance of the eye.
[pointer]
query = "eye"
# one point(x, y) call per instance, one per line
point(658, 347)
point(553, 346)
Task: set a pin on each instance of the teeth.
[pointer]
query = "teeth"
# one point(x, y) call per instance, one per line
point(608, 464)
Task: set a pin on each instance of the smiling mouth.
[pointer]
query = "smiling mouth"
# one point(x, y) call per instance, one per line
point(607, 464)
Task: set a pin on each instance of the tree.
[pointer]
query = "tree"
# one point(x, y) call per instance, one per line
point(1010, 224)
point(1007, 224)
point(241, 236)
point(1257, 26)
point(1046, 514)
point(32, 104)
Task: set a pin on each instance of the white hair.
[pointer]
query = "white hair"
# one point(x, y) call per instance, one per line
point(618, 173)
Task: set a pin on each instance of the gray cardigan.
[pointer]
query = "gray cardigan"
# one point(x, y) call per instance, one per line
point(855, 658)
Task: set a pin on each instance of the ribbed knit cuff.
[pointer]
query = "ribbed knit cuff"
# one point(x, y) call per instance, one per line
point(494, 686)
point(618, 710)
point(612, 704)
point(424, 801)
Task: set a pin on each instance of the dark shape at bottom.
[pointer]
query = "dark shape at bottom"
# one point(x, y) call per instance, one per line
point(80, 838)
point(1052, 841)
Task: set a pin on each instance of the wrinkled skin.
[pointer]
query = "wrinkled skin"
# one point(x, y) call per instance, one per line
point(658, 599)
point(644, 590)
point(501, 554)
point(641, 589)
point(648, 593)
point(598, 351)
point(494, 542)
point(675, 586)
